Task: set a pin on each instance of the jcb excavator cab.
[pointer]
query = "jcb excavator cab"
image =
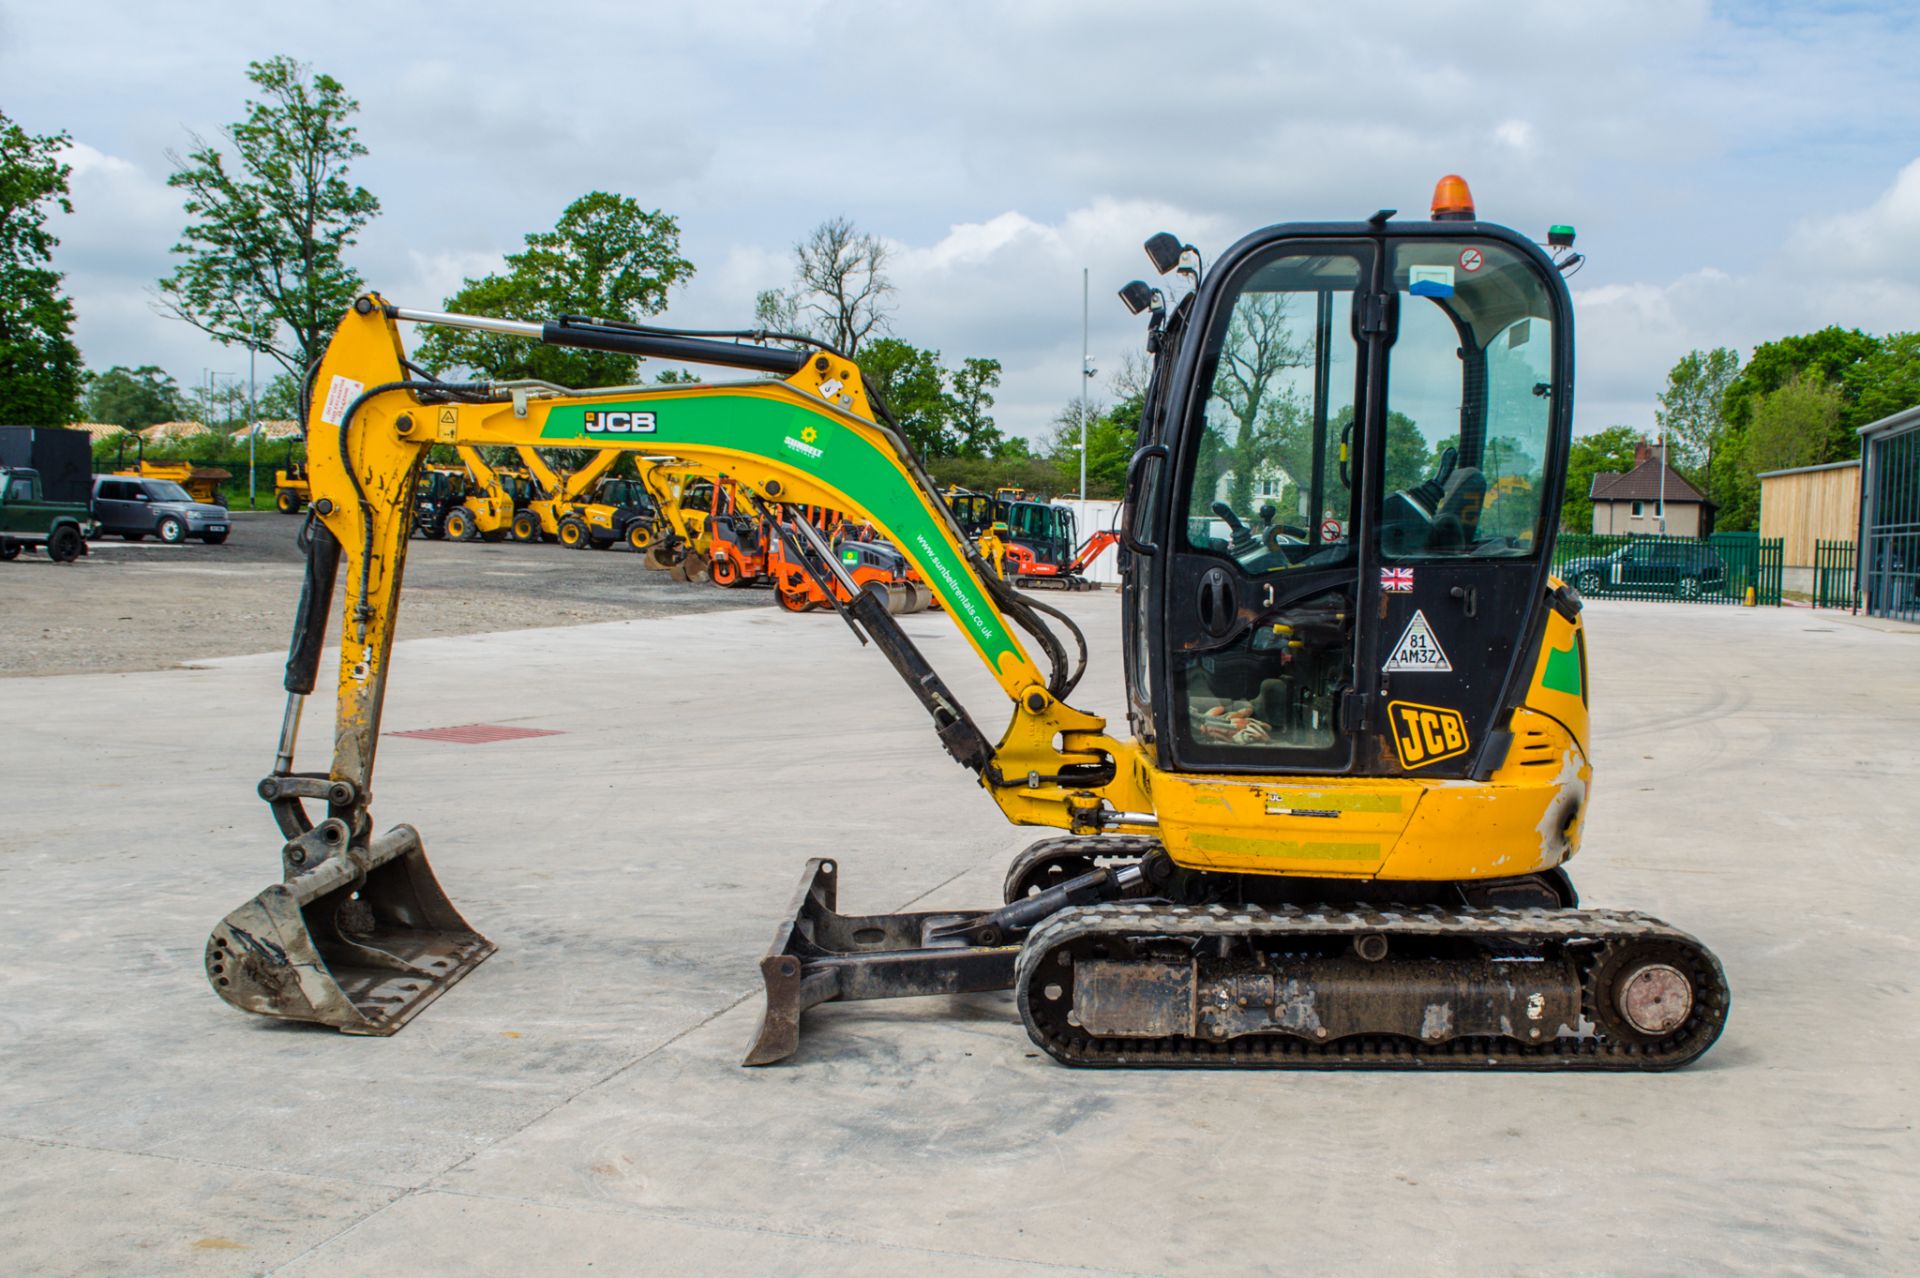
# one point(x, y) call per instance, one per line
point(1373, 381)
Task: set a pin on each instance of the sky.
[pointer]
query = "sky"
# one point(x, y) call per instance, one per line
point(1736, 172)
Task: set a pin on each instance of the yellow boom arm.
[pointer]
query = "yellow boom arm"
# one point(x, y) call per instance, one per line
point(808, 437)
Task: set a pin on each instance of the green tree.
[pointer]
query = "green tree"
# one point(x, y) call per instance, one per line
point(974, 432)
point(1111, 436)
point(40, 368)
point(606, 257)
point(913, 386)
point(1604, 451)
point(1793, 424)
point(1691, 416)
point(1882, 383)
point(279, 401)
point(263, 250)
point(1831, 355)
point(1265, 417)
point(133, 397)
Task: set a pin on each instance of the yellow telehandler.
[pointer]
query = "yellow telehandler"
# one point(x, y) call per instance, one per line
point(1337, 831)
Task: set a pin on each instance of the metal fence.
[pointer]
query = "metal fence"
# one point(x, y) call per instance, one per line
point(1890, 559)
point(1835, 584)
point(1719, 570)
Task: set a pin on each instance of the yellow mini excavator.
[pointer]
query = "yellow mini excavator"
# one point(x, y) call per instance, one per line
point(1337, 831)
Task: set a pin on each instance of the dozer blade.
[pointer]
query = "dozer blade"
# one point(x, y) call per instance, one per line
point(819, 956)
point(362, 941)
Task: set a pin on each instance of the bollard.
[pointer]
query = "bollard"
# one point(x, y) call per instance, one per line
point(1753, 596)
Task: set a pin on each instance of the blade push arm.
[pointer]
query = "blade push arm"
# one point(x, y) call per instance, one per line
point(812, 437)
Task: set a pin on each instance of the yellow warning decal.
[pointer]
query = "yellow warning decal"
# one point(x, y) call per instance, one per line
point(1426, 734)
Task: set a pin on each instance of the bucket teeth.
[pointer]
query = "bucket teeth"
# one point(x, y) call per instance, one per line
point(362, 941)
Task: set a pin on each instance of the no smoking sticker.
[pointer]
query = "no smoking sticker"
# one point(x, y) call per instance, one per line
point(1471, 259)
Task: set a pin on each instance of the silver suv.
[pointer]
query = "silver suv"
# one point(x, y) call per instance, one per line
point(134, 508)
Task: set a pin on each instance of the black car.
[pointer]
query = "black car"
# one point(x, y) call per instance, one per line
point(133, 508)
point(1684, 569)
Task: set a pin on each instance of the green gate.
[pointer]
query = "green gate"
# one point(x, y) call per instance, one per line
point(1835, 584)
point(1719, 570)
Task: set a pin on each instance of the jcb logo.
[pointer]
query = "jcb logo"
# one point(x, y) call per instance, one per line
point(1426, 734)
point(619, 423)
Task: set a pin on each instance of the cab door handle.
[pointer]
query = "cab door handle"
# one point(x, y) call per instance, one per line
point(1469, 596)
point(1216, 602)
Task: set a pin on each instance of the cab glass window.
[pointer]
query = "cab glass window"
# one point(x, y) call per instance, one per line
point(1273, 475)
point(1469, 403)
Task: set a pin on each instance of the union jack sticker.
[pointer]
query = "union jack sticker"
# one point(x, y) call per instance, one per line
point(1397, 581)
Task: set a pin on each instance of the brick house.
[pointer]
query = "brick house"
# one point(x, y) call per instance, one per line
point(1630, 502)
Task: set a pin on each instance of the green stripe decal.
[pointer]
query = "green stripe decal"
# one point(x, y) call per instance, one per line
point(814, 444)
point(1294, 849)
point(1563, 671)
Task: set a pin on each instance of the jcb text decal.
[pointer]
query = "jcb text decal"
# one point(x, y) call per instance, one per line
point(1426, 734)
point(621, 423)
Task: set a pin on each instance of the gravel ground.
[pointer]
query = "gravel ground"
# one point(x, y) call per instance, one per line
point(149, 607)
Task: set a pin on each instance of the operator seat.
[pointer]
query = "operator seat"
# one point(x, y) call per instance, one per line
point(1456, 518)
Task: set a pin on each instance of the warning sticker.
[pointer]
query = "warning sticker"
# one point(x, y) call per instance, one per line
point(340, 393)
point(1418, 652)
point(1471, 260)
point(448, 417)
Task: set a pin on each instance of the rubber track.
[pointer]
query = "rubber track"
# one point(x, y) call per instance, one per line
point(1589, 934)
point(1101, 849)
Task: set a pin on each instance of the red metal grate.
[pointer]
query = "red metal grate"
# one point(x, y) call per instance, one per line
point(477, 733)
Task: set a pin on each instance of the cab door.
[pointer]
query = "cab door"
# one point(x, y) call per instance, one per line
point(1259, 588)
point(1475, 384)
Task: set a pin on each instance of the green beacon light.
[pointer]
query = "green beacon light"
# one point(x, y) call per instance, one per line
point(1560, 236)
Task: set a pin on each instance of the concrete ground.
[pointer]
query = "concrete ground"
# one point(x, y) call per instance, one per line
point(577, 1102)
point(144, 606)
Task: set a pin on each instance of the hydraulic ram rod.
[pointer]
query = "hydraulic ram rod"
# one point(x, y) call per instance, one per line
point(620, 341)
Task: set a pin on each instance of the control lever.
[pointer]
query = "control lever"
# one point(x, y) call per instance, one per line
point(1242, 540)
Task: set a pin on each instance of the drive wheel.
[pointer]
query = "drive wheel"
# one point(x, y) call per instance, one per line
point(639, 536)
point(9, 549)
point(526, 526)
point(285, 503)
point(1690, 588)
point(66, 544)
point(792, 600)
point(573, 533)
point(172, 530)
point(1587, 583)
point(459, 526)
point(725, 571)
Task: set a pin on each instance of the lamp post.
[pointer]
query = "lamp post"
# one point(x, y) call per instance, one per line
point(1086, 382)
point(253, 427)
point(1662, 511)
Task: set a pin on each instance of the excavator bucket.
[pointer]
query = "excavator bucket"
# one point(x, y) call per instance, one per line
point(820, 955)
point(693, 566)
point(362, 940)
